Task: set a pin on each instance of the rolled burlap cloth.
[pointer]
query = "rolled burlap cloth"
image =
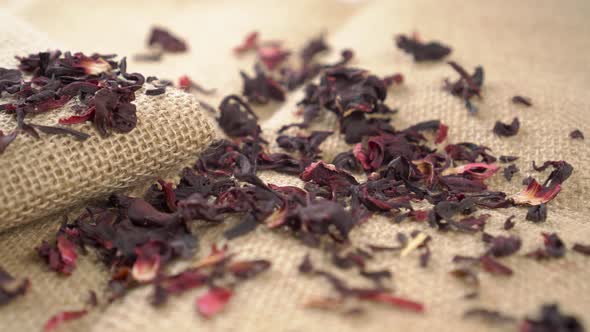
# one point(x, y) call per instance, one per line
point(533, 48)
point(44, 176)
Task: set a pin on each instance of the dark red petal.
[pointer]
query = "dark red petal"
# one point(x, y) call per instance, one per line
point(88, 115)
point(5, 140)
point(184, 281)
point(395, 79)
point(147, 264)
point(67, 253)
point(250, 43)
point(419, 215)
point(493, 266)
point(55, 321)
point(442, 133)
point(272, 56)
point(480, 171)
point(213, 301)
point(535, 194)
point(50, 104)
point(216, 256)
point(396, 301)
point(169, 194)
point(184, 82)
point(249, 269)
point(361, 155)
point(167, 41)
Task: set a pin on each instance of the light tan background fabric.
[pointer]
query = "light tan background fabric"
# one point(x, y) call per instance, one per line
point(44, 176)
point(533, 48)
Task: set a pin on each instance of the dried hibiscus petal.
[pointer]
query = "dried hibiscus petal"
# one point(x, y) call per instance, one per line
point(148, 262)
point(49, 104)
point(185, 83)
point(166, 41)
point(248, 269)
point(551, 319)
point(11, 288)
point(469, 152)
point(213, 301)
point(493, 266)
point(526, 101)
point(261, 88)
point(60, 257)
point(510, 171)
point(537, 213)
point(314, 47)
point(582, 248)
point(9, 78)
point(183, 281)
point(326, 303)
point(535, 194)
point(561, 172)
point(249, 43)
point(492, 316)
point(114, 110)
point(466, 275)
point(272, 55)
point(51, 130)
point(57, 320)
point(169, 194)
point(441, 133)
point(395, 301)
point(86, 116)
point(308, 146)
point(395, 79)
point(178, 284)
point(215, 257)
point(577, 134)
point(67, 253)
point(466, 86)
point(346, 161)
point(5, 140)
point(155, 91)
point(422, 51)
point(328, 175)
point(507, 130)
point(504, 245)
point(237, 118)
point(509, 224)
point(479, 171)
point(553, 248)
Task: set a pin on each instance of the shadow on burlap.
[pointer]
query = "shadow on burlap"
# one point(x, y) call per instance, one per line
point(526, 48)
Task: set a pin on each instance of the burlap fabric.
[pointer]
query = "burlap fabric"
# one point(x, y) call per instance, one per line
point(43, 176)
point(533, 48)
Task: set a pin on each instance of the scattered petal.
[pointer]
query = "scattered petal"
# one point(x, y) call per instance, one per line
point(249, 43)
point(57, 320)
point(431, 51)
point(166, 41)
point(213, 301)
point(526, 101)
point(507, 130)
point(535, 194)
point(577, 134)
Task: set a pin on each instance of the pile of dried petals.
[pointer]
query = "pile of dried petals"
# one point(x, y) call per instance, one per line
point(45, 81)
point(137, 237)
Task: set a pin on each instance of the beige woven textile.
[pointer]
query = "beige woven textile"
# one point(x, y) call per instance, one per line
point(533, 48)
point(44, 176)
